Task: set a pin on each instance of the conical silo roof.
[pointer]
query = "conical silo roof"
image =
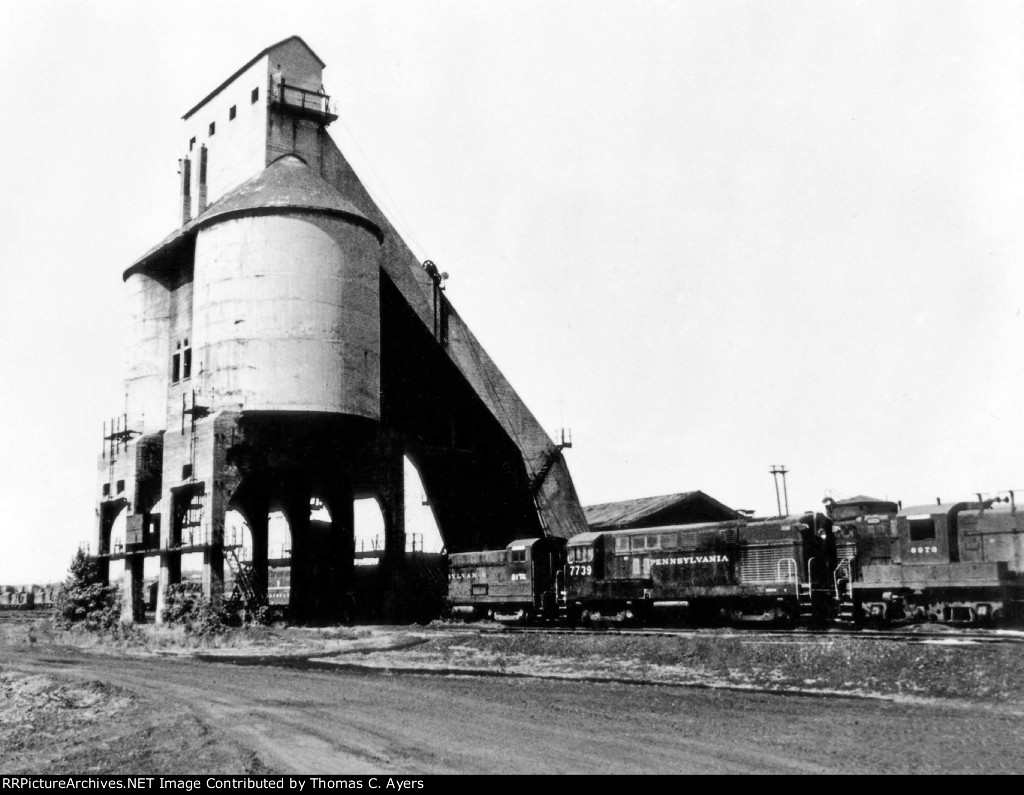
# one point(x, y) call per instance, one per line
point(286, 185)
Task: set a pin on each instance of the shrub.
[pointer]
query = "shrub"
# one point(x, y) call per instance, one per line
point(185, 605)
point(86, 600)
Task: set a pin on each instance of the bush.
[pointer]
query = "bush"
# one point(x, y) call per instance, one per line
point(86, 600)
point(185, 605)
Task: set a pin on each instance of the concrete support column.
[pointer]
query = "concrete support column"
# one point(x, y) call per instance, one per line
point(341, 550)
point(296, 510)
point(133, 607)
point(213, 571)
point(170, 574)
point(391, 497)
point(392, 504)
point(257, 515)
point(103, 569)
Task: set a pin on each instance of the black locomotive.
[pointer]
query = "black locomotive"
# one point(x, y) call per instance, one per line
point(779, 570)
point(953, 563)
point(873, 562)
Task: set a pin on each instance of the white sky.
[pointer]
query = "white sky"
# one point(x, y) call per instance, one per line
point(707, 236)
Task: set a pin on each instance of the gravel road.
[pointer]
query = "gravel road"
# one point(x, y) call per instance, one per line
point(190, 716)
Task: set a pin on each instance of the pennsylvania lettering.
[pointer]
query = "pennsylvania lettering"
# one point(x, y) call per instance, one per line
point(690, 560)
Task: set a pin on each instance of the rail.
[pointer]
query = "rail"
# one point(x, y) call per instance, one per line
point(303, 99)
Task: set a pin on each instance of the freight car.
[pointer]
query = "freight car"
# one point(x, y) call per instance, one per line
point(777, 570)
point(516, 582)
point(955, 563)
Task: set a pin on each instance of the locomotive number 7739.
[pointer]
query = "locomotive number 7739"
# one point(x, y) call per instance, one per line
point(580, 571)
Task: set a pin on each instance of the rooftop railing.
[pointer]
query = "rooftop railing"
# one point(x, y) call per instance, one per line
point(302, 99)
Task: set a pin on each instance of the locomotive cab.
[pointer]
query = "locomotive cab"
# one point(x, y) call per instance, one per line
point(790, 560)
point(584, 568)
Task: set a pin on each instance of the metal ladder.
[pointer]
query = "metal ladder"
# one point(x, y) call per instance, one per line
point(246, 592)
point(805, 595)
point(841, 578)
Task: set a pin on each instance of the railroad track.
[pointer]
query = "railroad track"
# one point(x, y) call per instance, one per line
point(952, 636)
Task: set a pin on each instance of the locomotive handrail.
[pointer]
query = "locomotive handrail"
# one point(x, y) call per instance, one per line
point(791, 570)
point(843, 567)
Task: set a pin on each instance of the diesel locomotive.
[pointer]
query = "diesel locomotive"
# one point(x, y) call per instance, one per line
point(957, 563)
point(777, 570)
point(871, 563)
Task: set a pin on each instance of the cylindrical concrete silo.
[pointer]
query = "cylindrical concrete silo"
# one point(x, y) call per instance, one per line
point(286, 302)
point(146, 353)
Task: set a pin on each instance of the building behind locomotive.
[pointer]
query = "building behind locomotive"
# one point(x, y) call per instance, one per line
point(772, 569)
point(956, 563)
point(517, 582)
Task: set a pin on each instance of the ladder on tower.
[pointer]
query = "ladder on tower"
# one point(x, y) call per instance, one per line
point(246, 593)
point(549, 461)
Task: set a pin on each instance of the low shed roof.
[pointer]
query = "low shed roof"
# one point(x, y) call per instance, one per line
point(650, 510)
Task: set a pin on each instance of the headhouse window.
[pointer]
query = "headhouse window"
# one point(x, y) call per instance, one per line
point(191, 143)
point(255, 95)
point(213, 128)
point(231, 112)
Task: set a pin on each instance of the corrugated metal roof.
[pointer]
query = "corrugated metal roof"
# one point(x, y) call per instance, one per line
point(629, 512)
point(286, 184)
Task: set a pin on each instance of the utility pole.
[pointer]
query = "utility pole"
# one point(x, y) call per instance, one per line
point(777, 470)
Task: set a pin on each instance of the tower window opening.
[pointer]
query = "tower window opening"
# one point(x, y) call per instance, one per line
point(213, 128)
point(176, 365)
point(120, 486)
point(255, 95)
point(181, 361)
point(186, 360)
point(231, 112)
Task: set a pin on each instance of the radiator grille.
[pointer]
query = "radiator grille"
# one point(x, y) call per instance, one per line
point(846, 549)
point(767, 564)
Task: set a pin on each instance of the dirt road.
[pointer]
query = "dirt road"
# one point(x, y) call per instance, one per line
point(188, 716)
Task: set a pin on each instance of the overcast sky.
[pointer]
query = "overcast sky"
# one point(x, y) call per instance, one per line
point(708, 237)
